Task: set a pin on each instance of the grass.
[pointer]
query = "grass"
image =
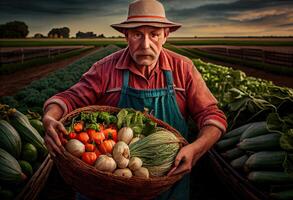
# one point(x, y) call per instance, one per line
point(232, 42)
point(13, 67)
point(122, 43)
point(194, 53)
point(60, 42)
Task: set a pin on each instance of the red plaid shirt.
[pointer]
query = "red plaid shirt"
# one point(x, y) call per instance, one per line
point(101, 85)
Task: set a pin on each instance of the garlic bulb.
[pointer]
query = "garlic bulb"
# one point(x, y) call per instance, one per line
point(135, 139)
point(123, 172)
point(75, 147)
point(135, 163)
point(142, 172)
point(125, 134)
point(121, 154)
point(105, 163)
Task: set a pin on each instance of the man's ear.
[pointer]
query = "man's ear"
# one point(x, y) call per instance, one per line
point(166, 34)
point(125, 32)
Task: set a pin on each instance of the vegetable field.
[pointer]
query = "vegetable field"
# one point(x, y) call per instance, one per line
point(259, 142)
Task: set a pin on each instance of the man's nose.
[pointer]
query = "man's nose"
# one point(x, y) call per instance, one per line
point(146, 42)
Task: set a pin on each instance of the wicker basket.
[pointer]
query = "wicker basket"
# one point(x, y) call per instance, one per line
point(37, 181)
point(102, 185)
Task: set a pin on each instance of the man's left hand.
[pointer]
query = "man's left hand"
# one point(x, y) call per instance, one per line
point(190, 154)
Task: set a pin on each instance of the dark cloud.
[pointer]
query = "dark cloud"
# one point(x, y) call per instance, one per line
point(191, 13)
point(65, 7)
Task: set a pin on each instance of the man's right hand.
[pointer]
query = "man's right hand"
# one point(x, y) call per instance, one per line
point(53, 128)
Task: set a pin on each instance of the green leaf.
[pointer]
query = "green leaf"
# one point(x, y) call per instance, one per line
point(121, 117)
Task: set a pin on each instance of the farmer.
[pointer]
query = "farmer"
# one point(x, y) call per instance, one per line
point(145, 75)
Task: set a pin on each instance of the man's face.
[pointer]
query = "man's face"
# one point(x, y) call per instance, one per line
point(145, 44)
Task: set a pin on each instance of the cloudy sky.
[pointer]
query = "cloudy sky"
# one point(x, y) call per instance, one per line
point(199, 17)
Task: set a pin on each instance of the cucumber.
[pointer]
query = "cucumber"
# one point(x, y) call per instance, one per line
point(283, 195)
point(256, 129)
point(270, 177)
point(26, 131)
point(261, 143)
point(233, 153)
point(238, 163)
point(227, 143)
point(9, 139)
point(265, 160)
point(237, 131)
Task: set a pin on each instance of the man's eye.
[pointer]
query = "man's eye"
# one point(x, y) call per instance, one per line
point(137, 35)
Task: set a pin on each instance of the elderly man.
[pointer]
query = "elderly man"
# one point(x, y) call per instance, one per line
point(145, 75)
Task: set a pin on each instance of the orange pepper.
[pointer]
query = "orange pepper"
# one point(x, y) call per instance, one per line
point(98, 153)
point(89, 157)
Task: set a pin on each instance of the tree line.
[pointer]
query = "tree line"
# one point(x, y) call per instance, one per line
point(19, 29)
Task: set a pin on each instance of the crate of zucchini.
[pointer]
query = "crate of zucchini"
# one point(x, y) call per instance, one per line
point(255, 157)
point(121, 150)
point(24, 161)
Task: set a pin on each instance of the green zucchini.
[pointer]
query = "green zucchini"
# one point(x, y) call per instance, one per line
point(27, 132)
point(227, 143)
point(233, 153)
point(10, 140)
point(256, 129)
point(237, 131)
point(261, 143)
point(283, 195)
point(265, 160)
point(238, 163)
point(38, 125)
point(10, 170)
point(270, 177)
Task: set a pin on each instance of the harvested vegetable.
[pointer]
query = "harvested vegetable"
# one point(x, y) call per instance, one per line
point(157, 151)
point(89, 157)
point(125, 134)
point(135, 163)
point(123, 172)
point(105, 163)
point(107, 146)
point(121, 154)
point(142, 172)
point(75, 147)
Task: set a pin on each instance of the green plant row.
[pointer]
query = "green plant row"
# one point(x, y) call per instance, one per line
point(13, 67)
point(34, 95)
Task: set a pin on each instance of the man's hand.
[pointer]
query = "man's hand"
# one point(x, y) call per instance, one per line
point(191, 153)
point(53, 128)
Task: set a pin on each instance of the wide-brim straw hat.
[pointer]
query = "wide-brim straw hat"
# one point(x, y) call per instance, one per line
point(146, 13)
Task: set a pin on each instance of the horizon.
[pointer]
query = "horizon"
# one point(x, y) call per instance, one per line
point(210, 18)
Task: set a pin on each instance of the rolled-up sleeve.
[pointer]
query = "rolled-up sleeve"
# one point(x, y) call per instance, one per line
point(202, 105)
point(83, 93)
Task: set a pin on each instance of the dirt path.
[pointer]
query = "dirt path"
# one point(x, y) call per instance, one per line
point(10, 84)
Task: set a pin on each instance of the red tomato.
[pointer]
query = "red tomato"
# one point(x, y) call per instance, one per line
point(110, 133)
point(90, 147)
point(97, 137)
point(78, 126)
point(107, 146)
point(89, 157)
point(72, 135)
point(83, 137)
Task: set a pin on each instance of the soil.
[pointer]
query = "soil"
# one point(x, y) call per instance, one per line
point(10, 84)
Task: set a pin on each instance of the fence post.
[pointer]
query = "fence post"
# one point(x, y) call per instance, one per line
point(22, 55)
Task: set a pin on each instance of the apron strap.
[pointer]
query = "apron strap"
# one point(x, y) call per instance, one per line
point(125, 78)
point(169, 80)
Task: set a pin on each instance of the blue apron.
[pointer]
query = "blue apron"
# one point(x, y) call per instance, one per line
point(163, 104)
